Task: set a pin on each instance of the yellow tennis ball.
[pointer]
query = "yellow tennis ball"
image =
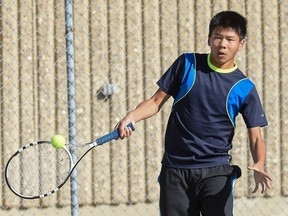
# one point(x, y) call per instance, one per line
point(57, 141)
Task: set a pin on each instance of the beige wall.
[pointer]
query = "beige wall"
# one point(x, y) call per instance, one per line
point(130, 44)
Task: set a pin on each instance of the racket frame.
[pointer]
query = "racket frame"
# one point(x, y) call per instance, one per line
point(100, 141)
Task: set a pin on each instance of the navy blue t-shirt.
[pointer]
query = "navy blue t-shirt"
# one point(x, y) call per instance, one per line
point(206, 102)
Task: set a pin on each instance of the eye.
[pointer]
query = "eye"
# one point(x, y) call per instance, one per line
point(217, 38)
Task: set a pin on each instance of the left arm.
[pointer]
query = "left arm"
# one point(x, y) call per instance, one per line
point(258, 151)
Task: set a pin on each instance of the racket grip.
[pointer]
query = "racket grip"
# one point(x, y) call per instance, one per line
point(113, 135)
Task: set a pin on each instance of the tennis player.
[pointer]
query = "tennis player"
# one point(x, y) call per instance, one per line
point(209, 91)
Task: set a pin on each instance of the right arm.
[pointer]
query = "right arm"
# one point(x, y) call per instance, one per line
point(144, 110)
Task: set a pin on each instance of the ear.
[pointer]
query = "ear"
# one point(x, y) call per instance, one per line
point(208, 41)
point(242, 43)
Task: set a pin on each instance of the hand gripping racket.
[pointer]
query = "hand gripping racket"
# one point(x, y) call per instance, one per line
point(38, 170)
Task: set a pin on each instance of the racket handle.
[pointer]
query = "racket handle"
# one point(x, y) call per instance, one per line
point(113, 135)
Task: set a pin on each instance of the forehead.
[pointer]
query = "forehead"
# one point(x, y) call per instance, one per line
point(225, 31)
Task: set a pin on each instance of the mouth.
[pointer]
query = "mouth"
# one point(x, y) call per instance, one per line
point(221, 54)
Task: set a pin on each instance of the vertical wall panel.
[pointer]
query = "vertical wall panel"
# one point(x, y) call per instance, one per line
point(2, 167)
point(83, 86)
point(26, 80)
point(254, 54)
point(45, 104)
point(203, 16)
point(152, 71)
point(10, 100)
point(283, 25)
point(118, 104)
point(134, 70)
point(271, 91)
point(61, 117)
point(186, 22)
point(100, 104)
point(218, 5)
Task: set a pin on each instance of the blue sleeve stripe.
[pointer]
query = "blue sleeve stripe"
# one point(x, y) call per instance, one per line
point(236, 97)
point(188, 79)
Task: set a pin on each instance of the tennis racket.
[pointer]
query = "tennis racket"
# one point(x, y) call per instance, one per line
point(38, 170)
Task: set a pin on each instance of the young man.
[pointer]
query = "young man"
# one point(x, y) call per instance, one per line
point(209, 91)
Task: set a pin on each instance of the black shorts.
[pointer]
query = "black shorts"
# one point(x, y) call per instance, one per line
point(187, 192)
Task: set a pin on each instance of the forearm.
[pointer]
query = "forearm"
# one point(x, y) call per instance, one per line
point(257, 146)
point(258, 151)
point(144, 110)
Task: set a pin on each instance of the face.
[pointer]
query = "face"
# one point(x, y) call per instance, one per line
point(224, 44)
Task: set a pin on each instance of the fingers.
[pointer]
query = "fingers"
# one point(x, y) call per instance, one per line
point(262, 179)
point(125, 133)
point(256, 188)
point(268, 177)
point(263, 187)
point(259, 171)
point(266, 184)
point(124, 130)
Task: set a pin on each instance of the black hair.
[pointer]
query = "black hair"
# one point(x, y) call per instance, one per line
point(229, 19)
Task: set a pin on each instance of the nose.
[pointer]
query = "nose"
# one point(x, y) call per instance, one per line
point(222, 43)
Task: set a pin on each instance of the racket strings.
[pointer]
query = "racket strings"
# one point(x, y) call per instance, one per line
point(38, 170)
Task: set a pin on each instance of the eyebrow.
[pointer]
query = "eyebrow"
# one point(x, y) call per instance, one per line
point(228, 36)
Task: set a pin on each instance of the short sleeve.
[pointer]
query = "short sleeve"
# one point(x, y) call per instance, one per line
point(252, 111)
point(171, 80)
